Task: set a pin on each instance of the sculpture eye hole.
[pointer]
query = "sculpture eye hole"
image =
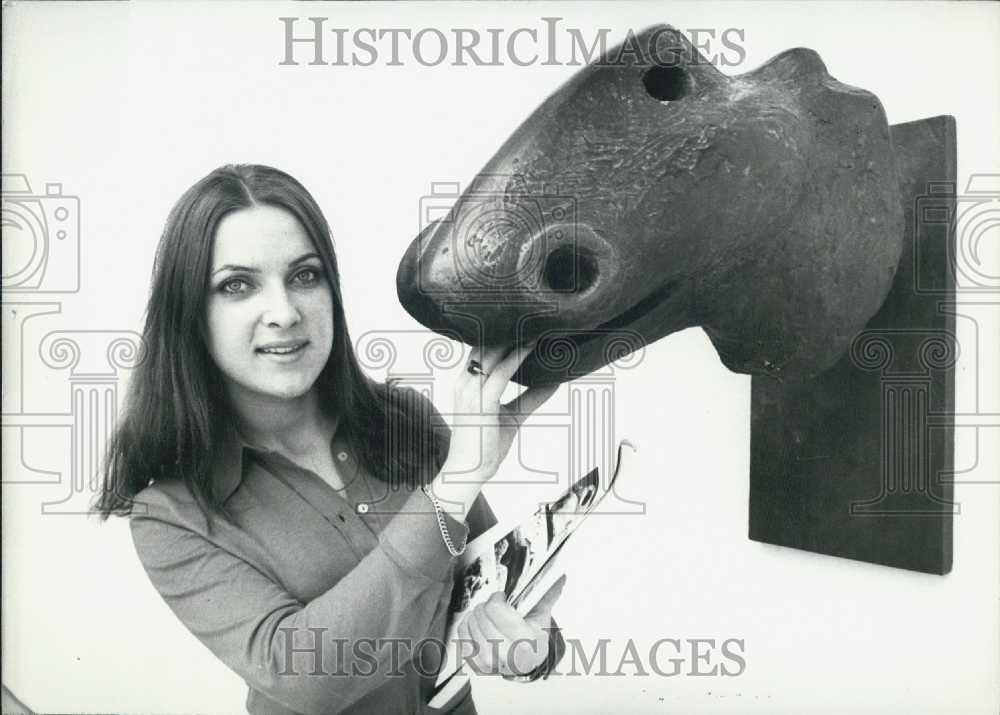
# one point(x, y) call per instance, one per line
point(567, 269)
point(666, 83)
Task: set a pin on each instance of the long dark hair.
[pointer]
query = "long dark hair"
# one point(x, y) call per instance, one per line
point(176, 408)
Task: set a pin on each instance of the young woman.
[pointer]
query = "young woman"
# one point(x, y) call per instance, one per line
point(289, 510)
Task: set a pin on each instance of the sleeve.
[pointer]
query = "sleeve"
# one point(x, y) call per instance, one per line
point(481, 517)
point(291, 650)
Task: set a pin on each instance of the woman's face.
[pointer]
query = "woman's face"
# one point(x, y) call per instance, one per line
point(270, 308)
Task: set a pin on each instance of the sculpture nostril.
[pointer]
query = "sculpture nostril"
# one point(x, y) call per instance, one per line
point(570, 269)
point(666, 83)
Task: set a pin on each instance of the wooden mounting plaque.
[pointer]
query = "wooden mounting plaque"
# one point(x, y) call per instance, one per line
point(858, 463)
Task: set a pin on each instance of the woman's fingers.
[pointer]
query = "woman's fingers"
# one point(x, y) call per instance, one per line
point(498, 364)
point(487, 653)
point(465, 644)
point(522, 406)
point(471, 647)
point(541, 614)
point(501, 640)
point(507, 621)
point(469, 388)
point(525, 645)
point(477, 405)
point(488, 356)
point(505, 369)
point(494, 637)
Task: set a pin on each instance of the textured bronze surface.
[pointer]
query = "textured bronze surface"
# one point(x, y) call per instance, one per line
point(652, 193)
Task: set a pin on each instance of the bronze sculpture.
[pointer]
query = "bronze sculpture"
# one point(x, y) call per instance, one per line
point(775, 209)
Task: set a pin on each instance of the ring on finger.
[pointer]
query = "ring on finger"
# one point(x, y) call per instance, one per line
point(475, 368)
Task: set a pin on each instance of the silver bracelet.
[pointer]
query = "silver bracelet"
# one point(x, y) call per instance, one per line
point(439, 512)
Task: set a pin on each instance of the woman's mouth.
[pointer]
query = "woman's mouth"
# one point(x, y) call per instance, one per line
point(283, 351)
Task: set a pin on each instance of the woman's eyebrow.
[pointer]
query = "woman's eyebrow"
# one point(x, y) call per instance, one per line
point(304, 257)
point(232, 267)
point(246, 269)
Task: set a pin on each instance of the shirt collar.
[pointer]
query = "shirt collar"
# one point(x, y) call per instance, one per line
point(228, 467)
point(229, 460)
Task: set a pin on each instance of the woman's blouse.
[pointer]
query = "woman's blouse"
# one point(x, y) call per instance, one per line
point(323, 601)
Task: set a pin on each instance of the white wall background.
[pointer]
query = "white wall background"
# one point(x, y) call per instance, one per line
point(126, 104)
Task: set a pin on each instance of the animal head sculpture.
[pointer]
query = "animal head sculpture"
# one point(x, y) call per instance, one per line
point(651, 193)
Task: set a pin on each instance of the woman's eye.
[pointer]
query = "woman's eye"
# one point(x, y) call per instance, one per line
point(307, 276)
point(234, 286)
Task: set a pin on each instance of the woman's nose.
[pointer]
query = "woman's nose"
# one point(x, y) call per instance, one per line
point(280, 311)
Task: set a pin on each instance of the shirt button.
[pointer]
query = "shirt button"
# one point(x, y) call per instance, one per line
point(342, 456)
point(362, 508)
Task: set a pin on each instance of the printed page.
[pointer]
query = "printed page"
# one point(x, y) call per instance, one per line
point(517, 560)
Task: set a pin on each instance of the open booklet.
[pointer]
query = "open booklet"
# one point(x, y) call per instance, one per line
point(516, 561)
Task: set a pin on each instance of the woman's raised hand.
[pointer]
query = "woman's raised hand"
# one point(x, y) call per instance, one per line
point(477, 405)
